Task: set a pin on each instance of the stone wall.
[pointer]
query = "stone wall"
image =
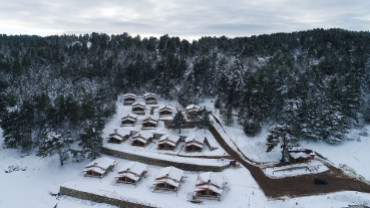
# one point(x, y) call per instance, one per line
point(101, 199)
point(164, 163)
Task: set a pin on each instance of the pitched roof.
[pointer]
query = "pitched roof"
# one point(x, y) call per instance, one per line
point(135, 168)
point(130, 116)
point(168, 181)
point(208, 187)
point(128, 175)
point(94, 169)
point(150, 119)
point(145, 135)
point(299, 155)
point(192, 107)
point(116, 137)
point(138, 104)
point(149, 94)
point(210, 178)
point(122, 132)
point(102, 163)
point(129, 95)
point(166, 107)
point(170, 173)
point(194, 138)
point(169, 139)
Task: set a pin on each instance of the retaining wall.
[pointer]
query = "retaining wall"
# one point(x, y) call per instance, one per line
point(101, 199)
point(164, 163)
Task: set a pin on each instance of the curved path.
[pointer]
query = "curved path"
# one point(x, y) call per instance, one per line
point(295, 186)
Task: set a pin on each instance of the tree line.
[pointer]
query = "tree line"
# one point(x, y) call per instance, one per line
point(63, 88)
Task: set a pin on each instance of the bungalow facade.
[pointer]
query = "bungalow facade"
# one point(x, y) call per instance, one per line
point(129, 120)
point(166, 111)
point(168, 179)
point(150, 98)
point(142, 139)
point(168, 142)
point(301, 156)
point(132, 173)
point(119, 136)
point(194, 143)
point(192, 111)
point(129, 99)
point(99, 167)
point(209, 185)
point(149, 123)
point(138, 108)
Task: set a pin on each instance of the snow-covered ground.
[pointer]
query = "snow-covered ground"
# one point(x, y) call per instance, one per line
point(30, 188)
point(354, 153)
point(241, 190)
point(296, 169)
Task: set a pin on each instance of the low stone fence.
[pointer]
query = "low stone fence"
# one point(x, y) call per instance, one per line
point(165, 163)
point(101, 199)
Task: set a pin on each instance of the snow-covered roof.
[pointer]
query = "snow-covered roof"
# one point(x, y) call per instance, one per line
point(194, 144)
point(168, 181)
point(208, 187)
point(166, 108)
point(138, 104)
point(210, 178)
point(170, 173)
point(169, 139)
point(123, 132)
point(297, 155)
point(130, 116)
point(128, 175)
point(192, 107)
point(145, 135)
point(102, 163)
point(194, 138)
point(116, 137)
point(150, 119)
point(94, 169)
point(134, 168)
point(129, 95)
point(149, 95)
point(139, 139)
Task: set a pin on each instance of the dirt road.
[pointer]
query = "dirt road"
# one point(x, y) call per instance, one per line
point(299, 185)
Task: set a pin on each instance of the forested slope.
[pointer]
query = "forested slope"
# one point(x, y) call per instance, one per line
point(60, 90)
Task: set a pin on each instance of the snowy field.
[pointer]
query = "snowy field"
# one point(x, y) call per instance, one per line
point(30, 188)
point(355, 153)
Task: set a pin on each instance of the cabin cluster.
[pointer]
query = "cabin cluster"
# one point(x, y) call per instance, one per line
point(301, 156)
point(208, 185)
point(192, 143)
point(149, 98)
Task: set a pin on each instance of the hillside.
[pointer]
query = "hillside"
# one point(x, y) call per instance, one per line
point(63, 88)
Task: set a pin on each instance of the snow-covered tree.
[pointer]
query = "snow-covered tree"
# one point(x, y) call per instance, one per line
point(91, 141)
point(55, 143)
point(178, 121)
point(251, 127)
point(204, 120)
point(283, 135)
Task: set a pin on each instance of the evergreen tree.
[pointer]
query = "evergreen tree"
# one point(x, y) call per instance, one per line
point(55, 143)
point(228, 116)
point(91, 141)
point(217, 103)
point(283, 135)
point(178, 121)
point(251, 127)
point(204, 121)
